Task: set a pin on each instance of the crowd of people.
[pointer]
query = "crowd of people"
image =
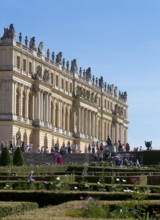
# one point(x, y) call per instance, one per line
point(96, 148)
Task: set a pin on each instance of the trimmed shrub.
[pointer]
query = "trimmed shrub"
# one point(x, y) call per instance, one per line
point(10, 208)
point(18, 158)
point(6, 158)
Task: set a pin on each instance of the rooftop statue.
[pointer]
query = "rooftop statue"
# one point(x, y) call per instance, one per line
point(53, 56)
point(74, 66)
point(41, 48)
point(59, 58)
point(101, 82)
point(32, 43)
point(9, 33)
point(88, 74)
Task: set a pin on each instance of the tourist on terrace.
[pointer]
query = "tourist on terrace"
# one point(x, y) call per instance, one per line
point(89, 148)
point(119, 146)
point(69, 147)
point(93, 148)
point(127, 147)
point(59, 159)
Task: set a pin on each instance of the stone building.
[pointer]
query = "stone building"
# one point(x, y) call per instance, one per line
point(48, 101)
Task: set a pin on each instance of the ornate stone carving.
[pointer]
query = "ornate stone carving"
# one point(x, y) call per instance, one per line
point(118, 110)
point(41, 48)
point(59, 58)
point(32, 43)
point(9, 33)
point(123, 95)
point(46, 75)
point(92, 97)
point(88, 95)
point(38, 74)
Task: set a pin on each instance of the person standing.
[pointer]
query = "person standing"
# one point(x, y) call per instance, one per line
point(59, 159)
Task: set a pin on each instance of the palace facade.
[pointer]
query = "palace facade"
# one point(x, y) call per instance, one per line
point(48, 100)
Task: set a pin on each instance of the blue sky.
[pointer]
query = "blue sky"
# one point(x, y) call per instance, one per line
point(118, 39)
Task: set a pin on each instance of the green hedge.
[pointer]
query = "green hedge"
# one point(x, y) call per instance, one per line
point(44, 198)
point(151, 157)
point(10, 208)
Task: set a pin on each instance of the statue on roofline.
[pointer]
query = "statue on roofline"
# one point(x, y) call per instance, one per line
point(88, 74)
point(9, 33)
point(32, 43)
point(59, 58)
point(41, 48)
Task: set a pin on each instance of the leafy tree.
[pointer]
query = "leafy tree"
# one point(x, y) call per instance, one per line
point(18, 158)
point(6, 158)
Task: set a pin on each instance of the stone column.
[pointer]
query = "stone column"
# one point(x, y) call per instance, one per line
point(59, 114)
point(117, 132)
point(20, 100)
point(79, 120)
point(82, 120)
point(63, 116)
point(26, 103)
point(68, 119)
point(14, 92)
point(42, 109)
point(89, 122)
point(49, 108)
point(86, 121)
point(93, 124)
point(46, 98)
point(33, 105)
point(38, 104)
point(54, 111)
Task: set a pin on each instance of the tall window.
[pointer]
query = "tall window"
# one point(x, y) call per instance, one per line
point(67, 86)
point(62, 83)
point(52, 78)
point(24, 65)
point(71, 87)
point(30, 107)
point(30, 67)
point(18, 62)
point(56, 80)
point(105, 103)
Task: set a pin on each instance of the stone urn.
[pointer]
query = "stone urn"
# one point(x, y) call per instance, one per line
point(148, 145)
